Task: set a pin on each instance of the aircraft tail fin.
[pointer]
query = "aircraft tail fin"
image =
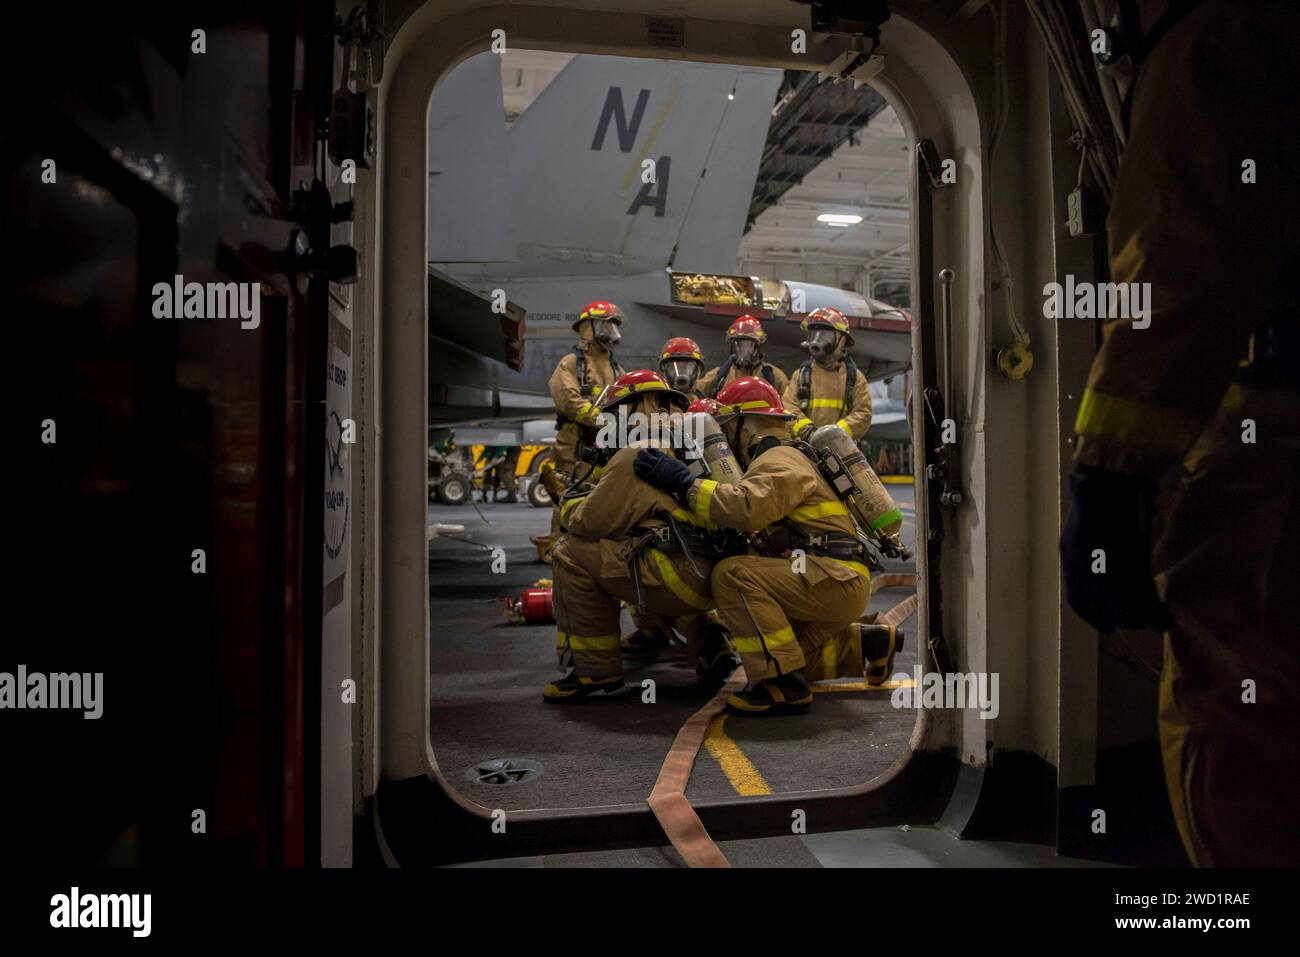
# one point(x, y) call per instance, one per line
point(619, 165)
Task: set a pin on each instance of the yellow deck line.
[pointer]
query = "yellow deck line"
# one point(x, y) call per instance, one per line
point(740, 771)
point(746, 779)
point(863, 686)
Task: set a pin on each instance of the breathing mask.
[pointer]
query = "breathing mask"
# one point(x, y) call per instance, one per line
point(744, 352)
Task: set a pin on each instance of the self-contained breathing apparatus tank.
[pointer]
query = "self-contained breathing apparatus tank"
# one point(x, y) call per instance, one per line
point(845, 467)
point(708, 454)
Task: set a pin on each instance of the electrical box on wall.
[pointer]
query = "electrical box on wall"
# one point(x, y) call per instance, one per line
point(1085, 212)
point(352, 128)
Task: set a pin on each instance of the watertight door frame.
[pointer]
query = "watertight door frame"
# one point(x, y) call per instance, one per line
point(931, 92)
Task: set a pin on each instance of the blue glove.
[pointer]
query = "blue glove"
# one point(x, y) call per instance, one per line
point(663, 472)
point(1112, 513)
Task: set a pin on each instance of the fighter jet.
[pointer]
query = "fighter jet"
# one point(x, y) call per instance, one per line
point(889, 418)
point(626, 180)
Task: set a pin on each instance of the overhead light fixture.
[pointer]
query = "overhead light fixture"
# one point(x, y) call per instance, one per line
point(839, 219)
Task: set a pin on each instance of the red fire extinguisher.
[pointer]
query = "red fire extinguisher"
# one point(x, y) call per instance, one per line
point(532, 607)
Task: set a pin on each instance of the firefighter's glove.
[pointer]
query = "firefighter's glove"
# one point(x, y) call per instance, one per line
point(1106, 551)
point(663, 472)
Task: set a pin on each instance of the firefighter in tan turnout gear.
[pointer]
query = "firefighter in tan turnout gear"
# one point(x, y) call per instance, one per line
point(681, 363)
point(745, 338)
point(793, 609)
point(828, 388)
point(626, 541)
point(577, 381)
point(1187, 465)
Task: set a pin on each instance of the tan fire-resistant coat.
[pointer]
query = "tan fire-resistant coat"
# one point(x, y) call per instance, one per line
point(825, 405)
point(1220, 256)
point(704, 386)
point(592, 571)
point(576, 402)
point(572, 401)
point(789, 612)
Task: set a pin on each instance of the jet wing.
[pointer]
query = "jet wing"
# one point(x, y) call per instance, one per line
point(882, 345)
point(890, 427)
point(459, 315)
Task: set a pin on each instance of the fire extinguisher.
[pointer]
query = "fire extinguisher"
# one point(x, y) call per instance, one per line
point(532, 607)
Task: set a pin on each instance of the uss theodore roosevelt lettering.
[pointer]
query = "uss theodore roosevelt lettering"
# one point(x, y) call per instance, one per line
point(39, 691)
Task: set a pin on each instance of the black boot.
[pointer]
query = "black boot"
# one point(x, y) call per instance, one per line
point(717, 659)
point(575, 687)
point(787, 694)
point(879, 645)
point(642, 642)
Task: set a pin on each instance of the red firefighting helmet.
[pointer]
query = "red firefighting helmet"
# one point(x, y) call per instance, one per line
point(681, 348)
point(750, 395)
point(600, 310)
point(637, 382)
point(704, 404)
point(747, 327)
point(826, 317)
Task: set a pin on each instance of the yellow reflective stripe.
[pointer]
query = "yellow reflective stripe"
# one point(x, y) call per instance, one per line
point(742, 406)
point(1273, 402)
point(858, 567)
point(805, 513)
point(683, 516)
point(703, 496)
point(1123, 420)
point(637, 387)
point(587, 643)
point(826, 404)
point(845, 426)
point(801, 423)
point(675, 583)
point(830, 658)
point(781, 638)
point(754, 645)
point(567, 506)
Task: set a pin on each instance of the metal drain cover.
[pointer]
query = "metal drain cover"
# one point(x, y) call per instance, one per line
point(505, 771)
